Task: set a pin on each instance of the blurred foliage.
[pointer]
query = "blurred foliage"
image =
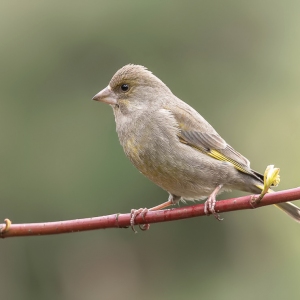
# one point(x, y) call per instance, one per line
point(236, 62)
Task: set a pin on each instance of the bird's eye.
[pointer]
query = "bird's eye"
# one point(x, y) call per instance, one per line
point(124, 87)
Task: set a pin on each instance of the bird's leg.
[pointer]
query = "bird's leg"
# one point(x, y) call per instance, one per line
point(143, 211)
point(209, 205)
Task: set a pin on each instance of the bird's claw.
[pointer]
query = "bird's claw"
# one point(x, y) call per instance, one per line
point(209, 208)
point(134, 213)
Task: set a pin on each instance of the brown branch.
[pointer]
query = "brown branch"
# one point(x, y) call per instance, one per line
point(123, 220)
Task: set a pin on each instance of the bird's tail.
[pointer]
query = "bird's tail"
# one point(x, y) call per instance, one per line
point(292, 210)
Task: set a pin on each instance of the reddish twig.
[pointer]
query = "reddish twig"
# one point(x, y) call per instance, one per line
point(123, 220)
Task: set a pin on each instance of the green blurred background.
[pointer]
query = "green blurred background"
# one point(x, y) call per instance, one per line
point(236, 62)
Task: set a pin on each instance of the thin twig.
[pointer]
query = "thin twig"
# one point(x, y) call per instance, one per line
point(123, 220)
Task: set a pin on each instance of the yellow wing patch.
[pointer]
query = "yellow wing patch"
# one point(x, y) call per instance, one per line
point(217, 155)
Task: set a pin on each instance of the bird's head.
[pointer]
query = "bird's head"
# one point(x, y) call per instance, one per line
point(133, 87)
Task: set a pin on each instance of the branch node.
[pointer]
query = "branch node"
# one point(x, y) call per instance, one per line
point(117, 219)
point(256, 199)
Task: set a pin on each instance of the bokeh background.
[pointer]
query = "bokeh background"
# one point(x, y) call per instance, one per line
point(236, 62)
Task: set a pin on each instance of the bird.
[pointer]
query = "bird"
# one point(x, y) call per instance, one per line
point(170, 143)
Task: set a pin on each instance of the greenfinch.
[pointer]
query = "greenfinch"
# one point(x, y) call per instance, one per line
point(173, 145)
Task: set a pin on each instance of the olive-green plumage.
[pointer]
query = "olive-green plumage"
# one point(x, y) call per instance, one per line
point(171, 143)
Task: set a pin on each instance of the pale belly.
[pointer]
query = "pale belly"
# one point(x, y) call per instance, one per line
point(182, 171)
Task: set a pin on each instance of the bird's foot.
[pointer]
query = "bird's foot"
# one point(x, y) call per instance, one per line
point(134, 213)
point(210, 203)
point(143, 211)
point(209, 208)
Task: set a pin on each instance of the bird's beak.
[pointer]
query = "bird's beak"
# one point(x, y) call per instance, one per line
point(106, 96)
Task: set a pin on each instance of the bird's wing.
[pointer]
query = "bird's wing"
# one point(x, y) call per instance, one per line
point(196, 132)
